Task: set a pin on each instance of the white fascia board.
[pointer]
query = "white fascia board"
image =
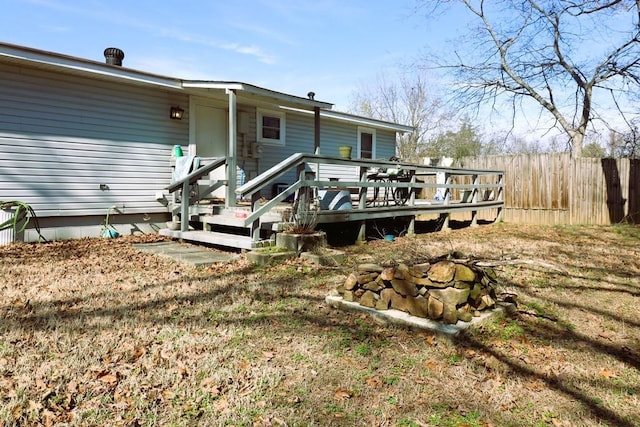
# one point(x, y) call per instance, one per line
point(53, 60)
point(359, 120)
point(258, 91)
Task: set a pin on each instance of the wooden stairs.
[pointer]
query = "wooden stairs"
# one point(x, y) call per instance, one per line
point(220, 226)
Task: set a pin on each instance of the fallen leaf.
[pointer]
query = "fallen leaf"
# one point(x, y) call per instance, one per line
point(210, 386)
point(16, 412)
point(221, 405)
point(342, 394)
point(373, 382)
point(606, 373)
point(109, 379)
point(430, 364)
point(268, 355)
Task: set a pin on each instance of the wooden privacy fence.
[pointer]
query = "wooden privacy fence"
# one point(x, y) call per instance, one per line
point(557, 189)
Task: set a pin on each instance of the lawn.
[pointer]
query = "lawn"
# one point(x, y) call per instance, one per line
point(94, 332)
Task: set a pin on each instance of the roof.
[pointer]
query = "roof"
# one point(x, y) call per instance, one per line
point(101, 70)
point(360, 120)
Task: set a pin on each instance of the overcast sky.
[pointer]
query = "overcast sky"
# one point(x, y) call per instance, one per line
point(328, 46)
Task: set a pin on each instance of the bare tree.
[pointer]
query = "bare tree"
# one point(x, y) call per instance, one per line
point(407, 101)
point(564, 55)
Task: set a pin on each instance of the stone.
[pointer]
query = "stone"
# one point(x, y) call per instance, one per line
point(439, 285)
point(301, 242)
point(418, 306)
point(488, 301)
point(369, 299)
point(442, 271)
point(424, 281)
point(462, 285)
point(450, 296)
point(464, 273)
point(491, 274)
point(388, 273)
point(366, 278)
point(421, 268)
point(348, 296)
point(386, 295)
point(465, 316)
point(415, 274)
point(324, 256)
point(450, 314)
point(373, 286)
point(399, 302)
point(476, 291)
point(404, 287)
point(435, 308)
point(351, 282)
point(382, 304)
point(402, 272)
point(371, 268)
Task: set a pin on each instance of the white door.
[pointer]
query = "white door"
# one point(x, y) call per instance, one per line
point(211, 138)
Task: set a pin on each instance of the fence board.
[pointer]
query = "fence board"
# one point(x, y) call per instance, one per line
point(556, 189)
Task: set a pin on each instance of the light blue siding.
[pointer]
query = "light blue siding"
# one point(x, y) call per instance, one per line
point(333, 134)
point(61, 137)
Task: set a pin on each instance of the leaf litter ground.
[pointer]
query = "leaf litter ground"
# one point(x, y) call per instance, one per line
point(94, 332)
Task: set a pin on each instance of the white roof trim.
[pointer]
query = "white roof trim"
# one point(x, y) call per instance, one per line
point(359, 120)
point(255, 90)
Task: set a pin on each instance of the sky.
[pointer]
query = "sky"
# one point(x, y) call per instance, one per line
point(330, 47)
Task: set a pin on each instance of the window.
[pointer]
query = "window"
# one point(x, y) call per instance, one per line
point(271, 127)
point(366, 143)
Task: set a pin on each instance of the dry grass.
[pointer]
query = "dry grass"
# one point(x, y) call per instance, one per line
point(94, 332)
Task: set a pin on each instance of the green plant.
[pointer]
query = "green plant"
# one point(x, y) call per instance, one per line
point(107, 229)
point(363, 349)
point(20, 218)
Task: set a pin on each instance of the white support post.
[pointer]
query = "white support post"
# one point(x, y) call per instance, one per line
point(184, 207)
point(231, 172)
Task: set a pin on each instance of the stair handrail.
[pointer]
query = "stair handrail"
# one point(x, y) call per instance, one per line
point(194, 176)
point(188, 180)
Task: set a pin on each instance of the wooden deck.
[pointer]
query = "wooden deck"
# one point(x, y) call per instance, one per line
point(367, 198)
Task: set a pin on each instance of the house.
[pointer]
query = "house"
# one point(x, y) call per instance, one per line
point(80, 138)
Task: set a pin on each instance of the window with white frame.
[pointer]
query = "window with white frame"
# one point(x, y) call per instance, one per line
point(271, 127)
point(366, 143)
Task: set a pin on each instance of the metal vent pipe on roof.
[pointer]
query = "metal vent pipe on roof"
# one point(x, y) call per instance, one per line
point(114, 56)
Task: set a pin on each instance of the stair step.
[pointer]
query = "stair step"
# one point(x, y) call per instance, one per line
point(236, 221)
point(211, 237)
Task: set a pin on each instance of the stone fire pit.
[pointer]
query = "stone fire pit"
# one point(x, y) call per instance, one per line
point(446, 290)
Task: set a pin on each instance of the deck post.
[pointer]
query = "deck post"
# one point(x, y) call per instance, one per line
point(184, 207)
point(500, 196)
point(474, 200)
point(255, 225)
point(447, 198)
point(231, 172)
point(411, 230)
point(362, 204)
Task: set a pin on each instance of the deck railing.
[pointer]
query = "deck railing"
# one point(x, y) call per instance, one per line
point(482, 189)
